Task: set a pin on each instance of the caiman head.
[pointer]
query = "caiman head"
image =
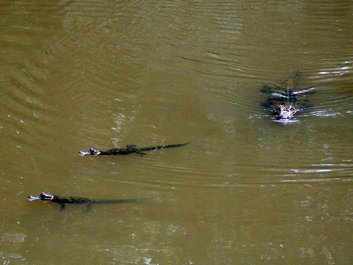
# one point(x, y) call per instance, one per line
point(90, 152)
point(285, 112)
point(41, 197)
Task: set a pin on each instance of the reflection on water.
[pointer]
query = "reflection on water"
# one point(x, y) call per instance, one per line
point(246, 190)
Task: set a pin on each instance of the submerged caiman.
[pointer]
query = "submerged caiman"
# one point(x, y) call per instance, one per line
point(287, 99)
point(128, 150)
point(62, 201)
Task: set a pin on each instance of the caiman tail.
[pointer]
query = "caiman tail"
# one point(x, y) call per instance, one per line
point(292, 82)
point(97, 201)
point(142, 149)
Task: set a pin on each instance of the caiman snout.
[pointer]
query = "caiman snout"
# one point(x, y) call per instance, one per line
point(41, 197)
point(33, 198)
point(286, 112)
point(89, 152)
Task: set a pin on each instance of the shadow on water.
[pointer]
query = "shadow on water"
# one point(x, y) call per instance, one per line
point(246, 190)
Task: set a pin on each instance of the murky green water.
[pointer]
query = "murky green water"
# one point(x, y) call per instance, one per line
point(246, 190)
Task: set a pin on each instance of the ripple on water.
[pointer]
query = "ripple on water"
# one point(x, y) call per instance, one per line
point(221, 167)
point(36, 84)
point(237, 50)
point(226, 49)
point(87, 74)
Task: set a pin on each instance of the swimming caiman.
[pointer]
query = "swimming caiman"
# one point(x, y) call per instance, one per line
point(287, 99)
point(62, 201)
point(128, 150)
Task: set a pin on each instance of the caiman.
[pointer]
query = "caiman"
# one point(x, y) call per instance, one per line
point(62, 201)
point(128, 150)
point(287, 99)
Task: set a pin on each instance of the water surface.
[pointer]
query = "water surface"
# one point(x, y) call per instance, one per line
point(245, 190)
